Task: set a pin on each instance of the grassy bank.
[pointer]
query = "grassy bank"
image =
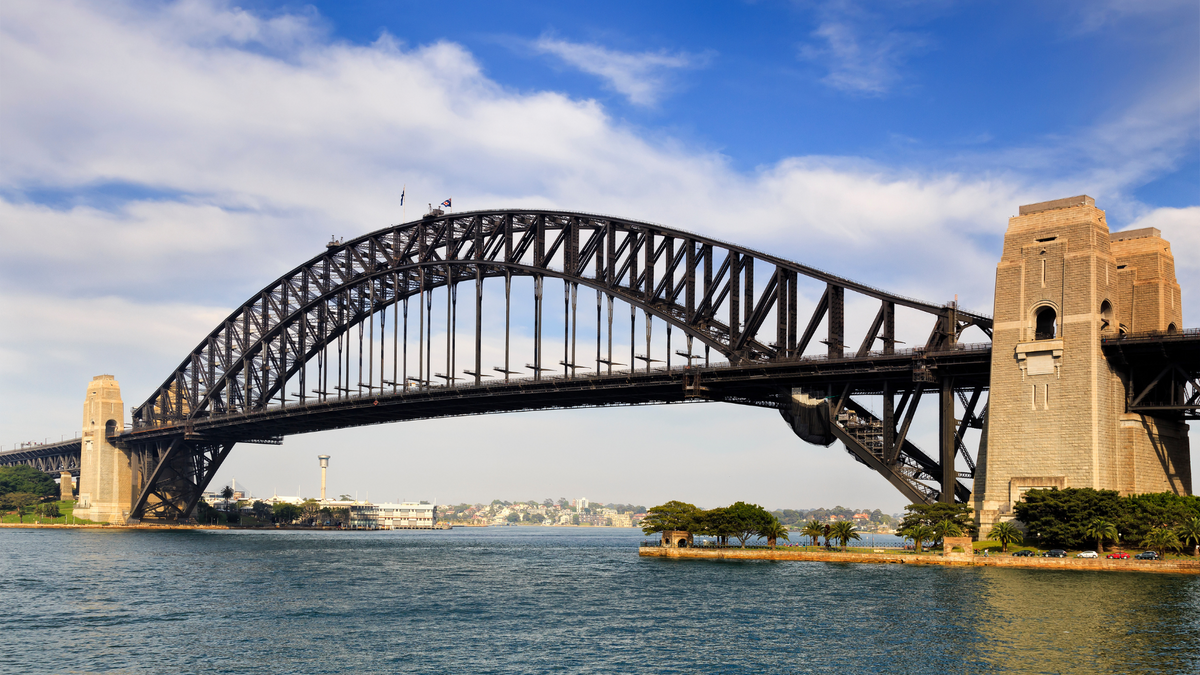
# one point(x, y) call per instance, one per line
point(66, 516)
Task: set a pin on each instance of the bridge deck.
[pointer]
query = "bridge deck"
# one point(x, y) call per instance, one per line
point(760, 384)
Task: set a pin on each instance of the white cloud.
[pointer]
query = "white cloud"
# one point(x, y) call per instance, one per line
point(860, 60)
point(642, 78)
point(1180, 227)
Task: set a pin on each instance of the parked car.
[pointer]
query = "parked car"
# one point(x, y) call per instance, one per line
point(1117, 556)
point(1087, 554)
point(1147, 555)
point(1055, 553)
point(1024, 554)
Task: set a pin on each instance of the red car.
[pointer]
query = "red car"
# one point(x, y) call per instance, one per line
point(1118, 556)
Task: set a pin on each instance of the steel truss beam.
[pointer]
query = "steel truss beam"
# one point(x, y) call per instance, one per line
point(313, 315)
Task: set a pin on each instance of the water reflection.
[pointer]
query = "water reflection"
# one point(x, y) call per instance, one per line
point(1047, 621)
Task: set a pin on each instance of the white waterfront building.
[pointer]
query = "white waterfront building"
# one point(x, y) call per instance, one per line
point(402, 516)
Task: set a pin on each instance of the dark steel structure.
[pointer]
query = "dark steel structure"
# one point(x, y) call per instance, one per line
point(313, 350)
point(53, 458)
point(1162, 371)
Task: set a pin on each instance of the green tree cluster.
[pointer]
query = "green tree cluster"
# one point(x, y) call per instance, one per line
point(286, 514)
point(740, 520)
point(24, 486)
point(1078, 517)
point(798, 517)
point(28, 480)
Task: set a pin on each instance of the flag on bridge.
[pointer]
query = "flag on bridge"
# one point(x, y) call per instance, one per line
point(402, 195)
point(446, 203)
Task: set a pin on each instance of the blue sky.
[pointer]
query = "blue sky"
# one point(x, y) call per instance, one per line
point(163, 161)
point(921, 84)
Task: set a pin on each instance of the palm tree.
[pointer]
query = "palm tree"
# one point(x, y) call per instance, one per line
point(947, 528)
point(772, 531)
point(813, 530)
point(1189, 532)
point(227, 494)
point(843, 532)
point(919, 534)
point(1161, 538)
point(1005, 533)
point(1100, 529)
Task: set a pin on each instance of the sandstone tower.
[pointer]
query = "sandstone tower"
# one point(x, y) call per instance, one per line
point(1056, 412)
point(104, 470)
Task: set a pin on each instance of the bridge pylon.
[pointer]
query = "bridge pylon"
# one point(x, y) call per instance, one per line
point(105, 478)
point(1059, 413)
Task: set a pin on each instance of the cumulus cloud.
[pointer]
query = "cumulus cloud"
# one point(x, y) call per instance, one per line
point(640, 77)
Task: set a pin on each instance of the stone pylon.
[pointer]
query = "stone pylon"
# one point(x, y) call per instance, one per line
point(1056, 411)
point(105, 475)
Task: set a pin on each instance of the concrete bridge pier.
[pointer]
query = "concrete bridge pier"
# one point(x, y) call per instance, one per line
point(105, 473)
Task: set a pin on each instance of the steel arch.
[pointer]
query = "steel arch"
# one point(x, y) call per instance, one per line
point(247, 360)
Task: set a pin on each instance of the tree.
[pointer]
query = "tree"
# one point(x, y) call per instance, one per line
point(18, 501)
point(1059, 517)
point(310, 510)
point(1005, 533)
point(226, 495)
point(286, 513)
point(1161, 539)
point(746, 520)
point(773, 531)
point(718, 523)
point(946, 528)
point(843, 532)
point(1189, 532)
point(26, 479)
point(813, 530)
point(919, 534)
point(1141, 513)
point(48, 510)
point(932, 514)
point(1101, 529)
point(261, 510)
point(674, 515)
point(513, 517)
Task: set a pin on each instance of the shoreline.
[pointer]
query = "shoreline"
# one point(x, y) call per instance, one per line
point(958, 559)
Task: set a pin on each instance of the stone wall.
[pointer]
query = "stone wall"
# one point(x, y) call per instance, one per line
point(784, 554)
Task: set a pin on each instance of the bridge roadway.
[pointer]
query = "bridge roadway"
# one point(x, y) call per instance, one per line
point(759, 384)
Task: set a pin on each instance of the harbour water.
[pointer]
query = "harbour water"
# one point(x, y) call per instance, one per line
point(571, 600)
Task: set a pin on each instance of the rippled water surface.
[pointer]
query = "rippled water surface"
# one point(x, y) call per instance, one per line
point(553, 600)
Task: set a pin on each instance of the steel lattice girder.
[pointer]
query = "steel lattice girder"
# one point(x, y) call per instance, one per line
point(51, 458)
point(231, 388)
point(244, 362)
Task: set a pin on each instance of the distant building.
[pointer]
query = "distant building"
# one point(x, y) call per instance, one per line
point(403, 516)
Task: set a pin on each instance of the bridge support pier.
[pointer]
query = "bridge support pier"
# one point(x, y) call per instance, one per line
point(947, 435)
point(104, 471)
point(1058, 412)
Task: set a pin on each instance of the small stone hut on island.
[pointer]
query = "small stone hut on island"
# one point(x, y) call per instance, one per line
point(676, 539)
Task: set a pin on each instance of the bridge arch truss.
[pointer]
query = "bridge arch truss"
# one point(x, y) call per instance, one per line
point(290, 344)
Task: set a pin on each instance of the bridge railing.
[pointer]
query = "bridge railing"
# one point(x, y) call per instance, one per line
point(29, 445)
point(1163, 335)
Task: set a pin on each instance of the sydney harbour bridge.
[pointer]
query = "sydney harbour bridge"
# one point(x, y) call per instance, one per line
point(519, 310)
